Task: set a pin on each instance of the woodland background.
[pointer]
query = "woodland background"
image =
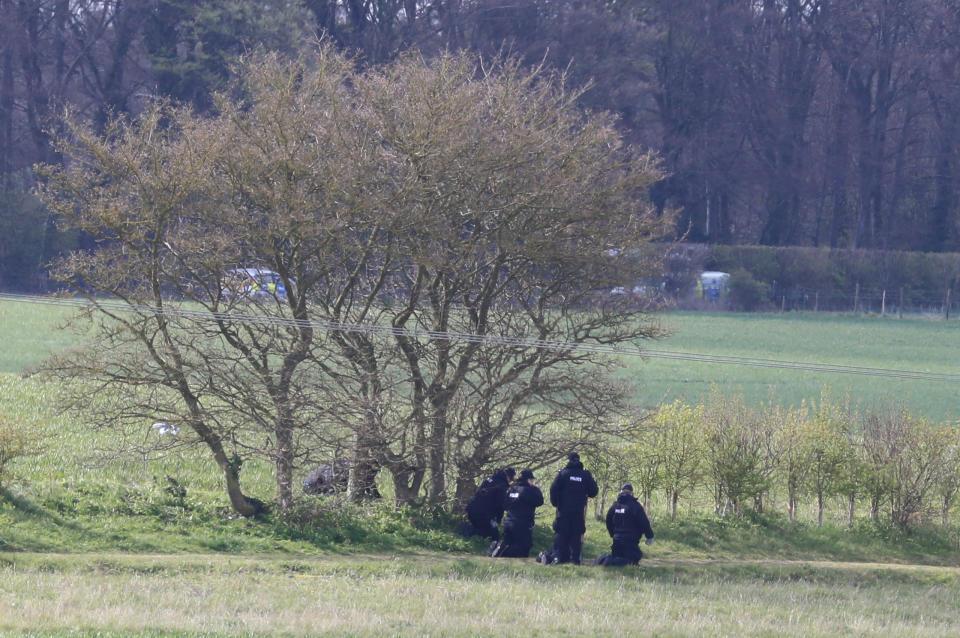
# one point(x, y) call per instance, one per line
point(817, 123)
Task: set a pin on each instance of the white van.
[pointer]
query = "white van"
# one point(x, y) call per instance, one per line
point(713, 285)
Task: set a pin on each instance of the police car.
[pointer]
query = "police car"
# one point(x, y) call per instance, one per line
point(254, 283)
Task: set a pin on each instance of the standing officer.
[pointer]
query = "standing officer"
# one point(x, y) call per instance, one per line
point(485, 509)
point(627, 522)
point(521, 503)
point(569, 493)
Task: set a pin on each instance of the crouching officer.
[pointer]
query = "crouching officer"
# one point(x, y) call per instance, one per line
point(485, 509)
point(627, 522)
point(569, 493)
point(521, 503)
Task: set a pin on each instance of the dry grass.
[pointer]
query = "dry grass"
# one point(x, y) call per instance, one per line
point(371, 596)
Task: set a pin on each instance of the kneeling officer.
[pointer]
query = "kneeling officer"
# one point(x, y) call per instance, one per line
point(485, 509)
point(521, 503)
point(627, 522)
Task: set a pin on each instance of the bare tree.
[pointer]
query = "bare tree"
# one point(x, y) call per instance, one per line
point(401, 207)
point(176, 202)
point(518, 198)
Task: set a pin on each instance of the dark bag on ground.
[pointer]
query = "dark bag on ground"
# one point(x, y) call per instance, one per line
point(547, 557)
point(606, 560)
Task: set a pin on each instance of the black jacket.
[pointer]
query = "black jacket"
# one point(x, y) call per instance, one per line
point(521, 503)
point(487, 503)
point(571, 489)
point(626, 519)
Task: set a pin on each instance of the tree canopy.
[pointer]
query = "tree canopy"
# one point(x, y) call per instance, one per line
point(434, 223)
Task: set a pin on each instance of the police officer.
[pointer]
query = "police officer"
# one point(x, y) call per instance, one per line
point(485, 509)
point(627, 522)
point(569, 493)
point(521, 503)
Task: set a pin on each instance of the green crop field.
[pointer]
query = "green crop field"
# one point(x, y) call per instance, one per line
point(95, 545)
point(914, 344)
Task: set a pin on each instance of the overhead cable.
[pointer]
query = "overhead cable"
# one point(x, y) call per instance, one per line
point(495, 340)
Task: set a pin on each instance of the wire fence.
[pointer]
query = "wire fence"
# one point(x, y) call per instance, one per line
point(875, 300)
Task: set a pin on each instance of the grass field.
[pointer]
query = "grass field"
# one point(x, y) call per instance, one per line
point(92, 545)
point(914, 344)
point(435, 595)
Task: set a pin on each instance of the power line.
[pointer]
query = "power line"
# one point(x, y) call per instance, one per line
point(559, 346)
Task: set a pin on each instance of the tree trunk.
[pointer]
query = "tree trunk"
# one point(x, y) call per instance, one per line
point(284, 465)
point(465, 490)
point(6, 111)
point(437, 458)
point(241, 504)
point(361, 479)
point(406, 484)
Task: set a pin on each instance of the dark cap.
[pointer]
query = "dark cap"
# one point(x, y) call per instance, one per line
point(526, 474)
point(626, 488)
point(573, 456)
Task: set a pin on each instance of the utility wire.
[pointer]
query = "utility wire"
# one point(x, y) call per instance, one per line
point(331, 326)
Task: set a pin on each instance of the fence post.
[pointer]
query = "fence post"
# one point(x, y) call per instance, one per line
point(900, 307)
point(816, 301)
point(783, 303)
point(946, 306)
point(856, 297)
point(883, 304)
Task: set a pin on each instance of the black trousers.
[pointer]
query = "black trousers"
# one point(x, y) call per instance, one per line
point(517, 538)
point(484, 526)
point(627, 549)
point(568, 538)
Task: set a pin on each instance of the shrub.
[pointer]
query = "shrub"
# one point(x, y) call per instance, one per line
point(746, 293)
point(15, 441)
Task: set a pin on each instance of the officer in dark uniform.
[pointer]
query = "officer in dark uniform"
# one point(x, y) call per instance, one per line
point(485, 509)
point(521, 503)
point(627, 522)
point(569, 493)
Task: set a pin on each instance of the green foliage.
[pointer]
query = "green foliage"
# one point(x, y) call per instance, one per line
point(736, 443)
point(746, 293)
point(829, 278)
point(17, 440)
point(376, 526)
point(824, 445)
point(678, 438)
point(29, 238)
point(194, 45)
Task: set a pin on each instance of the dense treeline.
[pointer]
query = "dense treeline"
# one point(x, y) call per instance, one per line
point(782, 122)
point(883, 461)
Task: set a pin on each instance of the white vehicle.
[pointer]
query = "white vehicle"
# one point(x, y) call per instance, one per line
point(713, 284)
